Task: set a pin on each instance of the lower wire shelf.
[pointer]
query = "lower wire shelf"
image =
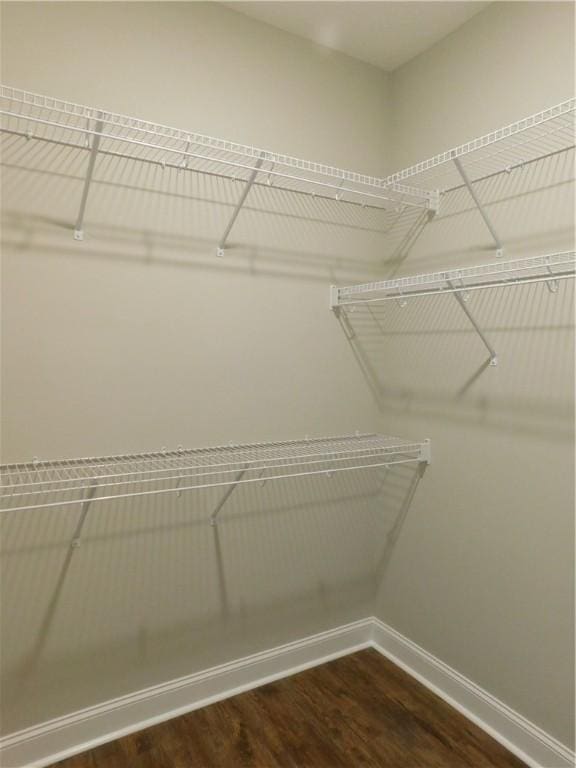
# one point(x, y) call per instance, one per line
point(43, 484)
point(549, 268)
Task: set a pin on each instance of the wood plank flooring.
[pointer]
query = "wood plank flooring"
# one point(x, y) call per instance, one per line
point(360, 710)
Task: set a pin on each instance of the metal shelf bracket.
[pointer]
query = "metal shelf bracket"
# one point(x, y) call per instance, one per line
point(224, 499)
point(334, 299)
point(90, 491)
point(78, 228)
point(434, 203)
point(553, 284)
point(248, 186)
point(478, 203)
point(340, 315)
point(462, 301)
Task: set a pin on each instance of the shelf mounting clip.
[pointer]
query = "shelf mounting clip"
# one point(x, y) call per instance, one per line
point(426, 453)
point(79, 226)
point(479, 205)
point(248, 186)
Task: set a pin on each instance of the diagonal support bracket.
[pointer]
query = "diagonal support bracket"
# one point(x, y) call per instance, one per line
point(90, 491)
point(224, 499)
point(222, 244)
point(551, 284)
point(79, 227)
point(478, 203)
point(462, 301)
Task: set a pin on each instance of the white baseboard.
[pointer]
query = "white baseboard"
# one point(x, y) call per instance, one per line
point(54, 740)
point(524, 739)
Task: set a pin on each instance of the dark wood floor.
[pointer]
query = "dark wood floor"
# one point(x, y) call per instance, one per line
point(360, 710)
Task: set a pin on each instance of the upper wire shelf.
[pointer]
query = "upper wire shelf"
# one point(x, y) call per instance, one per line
point(549, 268)
point(43, 484)
point(407, 199)
point(511, 147)
point(43, 118)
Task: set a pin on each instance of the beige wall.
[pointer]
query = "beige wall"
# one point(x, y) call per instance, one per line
point(516, 57)
point(151, 303)
point(482, 572)
point(139, 337)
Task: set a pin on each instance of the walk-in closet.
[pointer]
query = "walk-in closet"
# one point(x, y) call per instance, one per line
point(287, 435)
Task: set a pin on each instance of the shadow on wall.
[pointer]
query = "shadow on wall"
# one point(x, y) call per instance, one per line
point(155, 592)
point(531, 209)
point(44, 237)
point(423, 356)
point(141, 213)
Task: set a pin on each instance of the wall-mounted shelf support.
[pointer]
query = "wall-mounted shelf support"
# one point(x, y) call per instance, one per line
point(479, 205)
point(90, 491)
point(552, 284)
point(229, 491)
point(462, 300)
point(425, 454)
point(341, 316)
point(247, 187)
point(79, 227)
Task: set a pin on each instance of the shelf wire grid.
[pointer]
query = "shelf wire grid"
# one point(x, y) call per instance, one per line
point(548, 268)
point(512, 147)
point(42, 484)
point(401, 198)
point(43, 118)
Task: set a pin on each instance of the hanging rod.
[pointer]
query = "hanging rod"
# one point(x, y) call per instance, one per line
point(47, 484)
point(548, 268)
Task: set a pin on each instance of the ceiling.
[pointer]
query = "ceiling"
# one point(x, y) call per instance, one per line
point(387, 33)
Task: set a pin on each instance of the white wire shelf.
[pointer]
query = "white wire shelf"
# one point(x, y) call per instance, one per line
point(42, 118)
point(406, 200)
point(505, 150)
point(549, 268)
point(44, 484)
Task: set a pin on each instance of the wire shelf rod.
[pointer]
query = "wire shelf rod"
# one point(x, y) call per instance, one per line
point(340, 189)
point(71, 110)
point(210, 485)
point(230, 466)
point(214, 174)
point(504, 274)
point(557, 112)
point(509, 283)
point(198, 452)
point(390, 451)
point(104, 482)
point(514, 167)
point(244, 464)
